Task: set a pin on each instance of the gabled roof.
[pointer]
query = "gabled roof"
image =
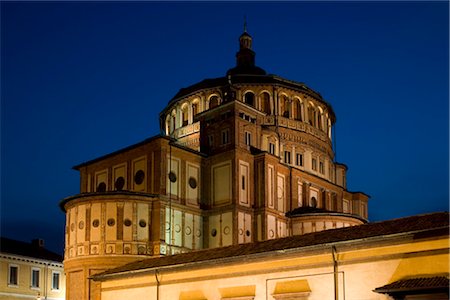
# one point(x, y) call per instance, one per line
point(411, 225)
point(33, 250)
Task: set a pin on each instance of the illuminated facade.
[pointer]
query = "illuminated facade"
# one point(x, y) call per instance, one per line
point(242, 158)
point(29, 271)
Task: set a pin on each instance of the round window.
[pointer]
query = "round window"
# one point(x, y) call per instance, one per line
point(142, 223)
point(120, 182)
point(111, 222)
point(95, 223)
point(139, 177)
point(81, 225)
point(247, 232)
point(127, 222)
point(192, 182)
point(214, 232)
point(101, 187)
point(172, 176)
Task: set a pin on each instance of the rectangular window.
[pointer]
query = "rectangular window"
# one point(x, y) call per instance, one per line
point(13, 275)
point(287, 157)
point(55, 281)
point(35, 277)
point(248, 138)
point(321, 168)
point(299, 160)
point(225, 136)
point(211, 140)
point(314, 164)
point(243, 182)
point(272, 148)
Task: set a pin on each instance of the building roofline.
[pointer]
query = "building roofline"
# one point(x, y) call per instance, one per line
point(171, 140)
point(435, 223)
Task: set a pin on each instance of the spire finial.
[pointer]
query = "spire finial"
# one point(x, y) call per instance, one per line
point(245, 23)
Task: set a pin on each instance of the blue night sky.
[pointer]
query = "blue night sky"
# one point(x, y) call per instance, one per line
point(83, 79)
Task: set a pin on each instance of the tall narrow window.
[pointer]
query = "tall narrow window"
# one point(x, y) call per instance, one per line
point(211, 140)
point(319, 120)
point(286, 107)
point(249, 98)
point(299, 160)
point(287, 157)
point(55, 281)
point(194, 109)
point(35, 277)
point(248, 138)
point(265, 103)
point(225, 136)
point(243, 182)
point(314, 164)
point(173, 123)
point(297, 110)
point(272, 148)
point(13, 275)
point(184, 115)
point(321, 167)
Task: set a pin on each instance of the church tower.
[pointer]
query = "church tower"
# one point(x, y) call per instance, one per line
point(242, 158)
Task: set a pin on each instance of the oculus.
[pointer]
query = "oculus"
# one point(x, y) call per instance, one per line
point(101, 187)
point(192, 182)
point(120, 182)
point(172, 176)
point(139, 177)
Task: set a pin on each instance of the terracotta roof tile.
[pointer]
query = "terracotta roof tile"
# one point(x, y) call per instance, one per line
point(422, 283)
point(403, 225)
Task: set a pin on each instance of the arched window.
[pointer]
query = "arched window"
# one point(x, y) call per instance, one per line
point(213, 102)
point(249, 98)
point(184, 115)
point(311, 115)
point(173, 120)
point(285, 107)
point(297, 113)
point(168, 124)
point(265, 103)
point(194, 109)
point(320, 119)
point(329, 128)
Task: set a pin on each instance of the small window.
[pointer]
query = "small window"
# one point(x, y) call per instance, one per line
point(213, 102)
point(225, 136)
point(249, 99)
point(314, 164)
point(243, 182)
point(35, 278)
point(119, 184)
point(321, 168)
point(101, 188)
point(139, 177)
point(13, 275)
point(313, 202)
point(299, 160)
point(211, 140)
point(55, 280)
point(194, 109)
point(272, 148)
point(287, 157)
point(248, 138)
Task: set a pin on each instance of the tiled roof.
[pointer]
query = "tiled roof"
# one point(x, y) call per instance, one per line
point(28, 249)
point(403, 225)
point(422, 283)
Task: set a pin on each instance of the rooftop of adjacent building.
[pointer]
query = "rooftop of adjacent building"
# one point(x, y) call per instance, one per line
point(35, 249)
point(419, 225)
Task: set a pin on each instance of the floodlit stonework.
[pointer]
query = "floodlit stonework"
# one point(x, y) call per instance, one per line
point(243, 158)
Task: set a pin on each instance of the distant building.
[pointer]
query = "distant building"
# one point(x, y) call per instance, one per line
point(241, 159)
point(29, 271)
